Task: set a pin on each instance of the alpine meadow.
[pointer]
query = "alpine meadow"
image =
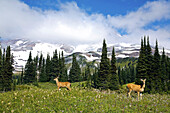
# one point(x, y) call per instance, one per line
point(84, 56)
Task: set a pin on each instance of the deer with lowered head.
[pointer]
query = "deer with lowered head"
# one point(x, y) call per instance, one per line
point(63, 84)
point(133, 87)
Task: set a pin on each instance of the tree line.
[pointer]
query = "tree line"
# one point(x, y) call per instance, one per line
point(154, 67)
point(6, 70)
point(107, 75)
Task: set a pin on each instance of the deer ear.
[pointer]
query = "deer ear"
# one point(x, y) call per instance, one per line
point(145, 79)
point(141, 79)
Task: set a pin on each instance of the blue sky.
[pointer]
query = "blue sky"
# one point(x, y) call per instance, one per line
point(86, 21)
point(112, 7)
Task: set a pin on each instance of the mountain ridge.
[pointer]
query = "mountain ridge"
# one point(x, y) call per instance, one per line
point(21, 48)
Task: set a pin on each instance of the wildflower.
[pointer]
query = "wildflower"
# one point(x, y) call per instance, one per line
point(2, 102)
point(12, 111)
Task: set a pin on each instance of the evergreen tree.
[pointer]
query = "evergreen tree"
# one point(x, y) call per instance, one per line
point(3, 70)
point(1, 76)
point(141, 66)
point(120, 76)
point(164, 77)
point(95, 78)
point(40, 62)
point(75, 71)
point(43, 76)
point(124, 75)
point(156, 86)
point(114, 79)
point(88, 74)
point(8, 68)
point(64, 76)
point(168, 72)
point(29, 70)
point(55, 65)
point(104, 70)
point(48, 68)
point(22, 74)
point(149, 66)
point(132, 73)
point(35, 65)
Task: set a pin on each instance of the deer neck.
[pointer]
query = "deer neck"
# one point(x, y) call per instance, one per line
point(142, 89)
point(57, 81)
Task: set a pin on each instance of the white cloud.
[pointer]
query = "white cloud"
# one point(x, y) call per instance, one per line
point(73, 25)
point(69, 24)
point(134, 23)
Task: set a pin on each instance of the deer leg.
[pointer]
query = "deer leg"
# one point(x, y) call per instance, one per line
point(58, 88)
point(69, 88)
point(129, 93)
point(138, 95)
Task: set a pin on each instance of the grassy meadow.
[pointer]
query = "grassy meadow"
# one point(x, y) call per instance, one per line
point(47, 99)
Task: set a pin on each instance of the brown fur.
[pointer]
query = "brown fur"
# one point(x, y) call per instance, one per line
point(63, 84)
point(134, 87)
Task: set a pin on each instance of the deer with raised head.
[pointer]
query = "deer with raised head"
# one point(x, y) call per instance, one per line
point(63, 84)
point(137, 88)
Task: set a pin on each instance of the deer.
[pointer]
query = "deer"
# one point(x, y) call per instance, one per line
point(63, 84)
point(133, 87)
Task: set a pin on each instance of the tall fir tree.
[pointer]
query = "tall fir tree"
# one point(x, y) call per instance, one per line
point(88, 75)
point(141, 65)
point(95, 78)
point(114, 79)
point(149, 66)
point(164, 77)
point(1, 76)
point(156, 86)
point(8, 70)
point(55, 65)
point(48, 68)
point(120, 76)
point(43, 76)
point(22, 74)
point(29, 70)
point(64, 76)
point(75, 71)
point(104, 70)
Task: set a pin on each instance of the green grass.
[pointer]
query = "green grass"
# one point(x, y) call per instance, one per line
point(46, 98)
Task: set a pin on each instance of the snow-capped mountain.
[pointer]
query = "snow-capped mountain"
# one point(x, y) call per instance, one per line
point(21, 48)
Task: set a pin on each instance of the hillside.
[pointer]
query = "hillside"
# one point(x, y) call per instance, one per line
point(92, 52)
point(46, 98)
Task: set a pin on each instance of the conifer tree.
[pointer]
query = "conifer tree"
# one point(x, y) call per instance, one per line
point(120, 76)
point(29, 70)
point(75, 71)
point(149, 66)
point(40, 62)
point(114, 79)
point(104, 70)
point(1, 77)
point(48, 68)
point(64, 76)
point(164, 77)
point(55, 65)
point(7, 68)
point(43, 77)
point(156, 86)
point(141, 66)
point(88, 75)
point(95, 78)
point(22, 74)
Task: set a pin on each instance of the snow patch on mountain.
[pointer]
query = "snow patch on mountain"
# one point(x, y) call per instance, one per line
point(22, 47)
